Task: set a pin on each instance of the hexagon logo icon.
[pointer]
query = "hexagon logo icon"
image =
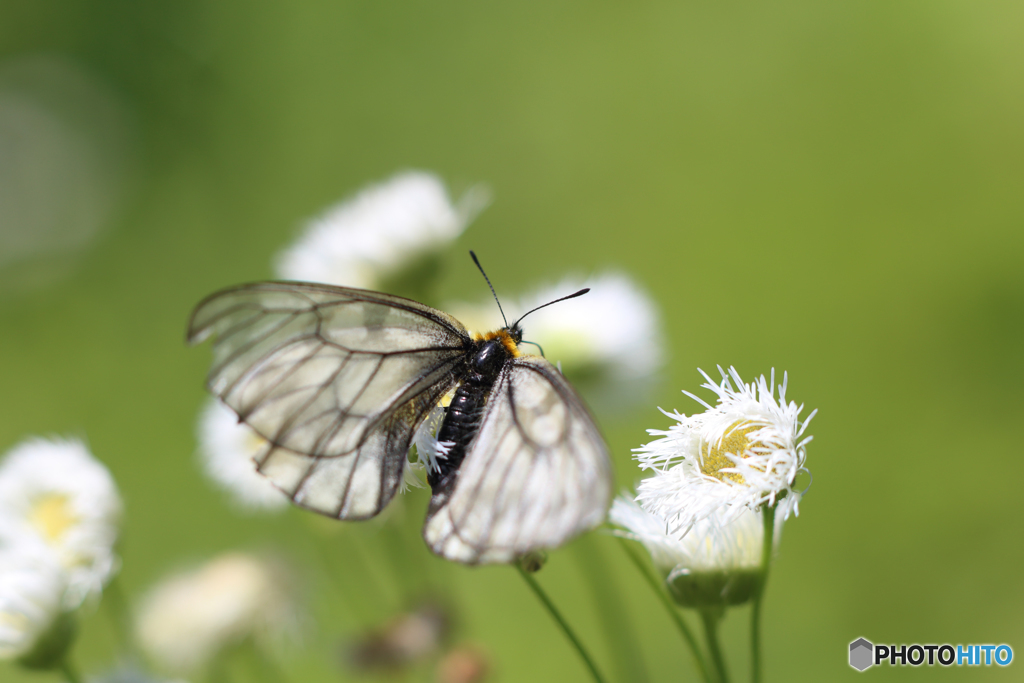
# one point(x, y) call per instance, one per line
point(861, 654)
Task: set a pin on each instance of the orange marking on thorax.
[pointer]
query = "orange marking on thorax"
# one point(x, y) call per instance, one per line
point(506, 340)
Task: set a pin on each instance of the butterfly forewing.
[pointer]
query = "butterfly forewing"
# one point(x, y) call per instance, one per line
point(536, 474)
point(335, 379)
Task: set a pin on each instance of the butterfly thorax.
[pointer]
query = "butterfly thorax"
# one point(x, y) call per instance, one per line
point(507, 337)
point(462, 421)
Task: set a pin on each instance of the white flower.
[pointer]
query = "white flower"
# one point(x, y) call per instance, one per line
point(55, 495)
point(32, 588)
point(227, 451)
point(743, 452)
point(383, 229)
point(712, 544)
point(715, 561)
point(413, 477)
point(428, 449)
point(609, 342)
point(187, 619)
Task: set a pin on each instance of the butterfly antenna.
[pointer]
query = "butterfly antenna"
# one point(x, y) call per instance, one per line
point(477, 262)
point(571, 296)
point(535, 344)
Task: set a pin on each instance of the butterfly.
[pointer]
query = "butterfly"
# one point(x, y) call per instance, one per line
point(338, 380)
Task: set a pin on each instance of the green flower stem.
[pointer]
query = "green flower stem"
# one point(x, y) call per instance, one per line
point(673, 613)
point(768, 514)
point(611, 610)
point(70, 673)
point(711, 617)
point(535, 587)
point(120, 614)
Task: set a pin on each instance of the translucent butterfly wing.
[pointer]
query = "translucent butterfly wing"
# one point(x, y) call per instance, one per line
point(335, 379)
point(536, 474)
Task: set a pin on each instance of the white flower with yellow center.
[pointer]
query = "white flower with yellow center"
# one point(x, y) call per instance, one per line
point(383, 230)
point(715, 562)
point(608, 342)
point(55, 495)
point(189, 618)
point(228, 449)
point(743, 452)
point(32, 588)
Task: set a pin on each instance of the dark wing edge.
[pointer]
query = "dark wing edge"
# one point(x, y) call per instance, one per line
point(359, 485)
point(335, 379)
point(199, 327)
point(537, 474)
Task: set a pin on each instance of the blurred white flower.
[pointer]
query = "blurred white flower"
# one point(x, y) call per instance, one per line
point(227, 450)
point(32, 587)
point(743, 452)
point(55, 495)
point(380, 231)
point(609, 342)
point(190, 617)
point(67, 164)
point(715, 562)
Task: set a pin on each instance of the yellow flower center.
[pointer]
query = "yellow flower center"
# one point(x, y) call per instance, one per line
point(52, 515)
point(735, 442)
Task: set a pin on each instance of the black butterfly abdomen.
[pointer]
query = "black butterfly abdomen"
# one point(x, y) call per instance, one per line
point(462, 421)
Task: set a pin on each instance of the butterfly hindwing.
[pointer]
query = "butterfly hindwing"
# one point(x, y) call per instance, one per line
point(536, 474)
point(335, 379)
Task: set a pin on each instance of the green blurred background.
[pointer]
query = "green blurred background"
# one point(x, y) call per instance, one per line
point(829, 188)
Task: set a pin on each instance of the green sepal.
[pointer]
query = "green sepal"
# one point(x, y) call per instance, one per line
point(704, 590)
point(52, 647)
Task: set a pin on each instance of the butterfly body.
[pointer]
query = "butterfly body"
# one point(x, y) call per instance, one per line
point(462, 420)
point(339, 380)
